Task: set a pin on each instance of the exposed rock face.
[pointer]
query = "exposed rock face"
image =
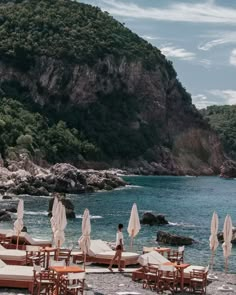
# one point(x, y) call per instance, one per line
point(62, 177)
point(228, 169)
point(172, 239)
point(221, 237)
point(151, 219)
point(68, 206)
point(185, 143)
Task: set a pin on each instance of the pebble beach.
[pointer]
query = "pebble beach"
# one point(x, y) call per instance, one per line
point(121, 283)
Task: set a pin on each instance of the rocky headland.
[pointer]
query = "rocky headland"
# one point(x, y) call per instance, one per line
point(119, 96)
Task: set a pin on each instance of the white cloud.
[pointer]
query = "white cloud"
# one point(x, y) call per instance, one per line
point(181, 53)
point(232, 59)
point(228, 96)
point(149, 38)
point(201, 101)
point(207, 12)
point(206, 63)
point(219, 38)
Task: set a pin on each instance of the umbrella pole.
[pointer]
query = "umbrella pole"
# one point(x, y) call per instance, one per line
point(17, 241)
point(212, 260)
point(84, 260)
point(226, 265)
point(131, 243)
point(58, 248)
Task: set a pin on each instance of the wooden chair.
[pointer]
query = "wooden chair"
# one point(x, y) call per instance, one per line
point(150, 277)
point(34, 256)
point(167, 278)
point(63, 254)
point(73, 284)
point(177, 255)
point(44, 282)
point(198, 281)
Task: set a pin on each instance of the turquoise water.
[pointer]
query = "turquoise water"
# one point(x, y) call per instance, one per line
point(187, 202)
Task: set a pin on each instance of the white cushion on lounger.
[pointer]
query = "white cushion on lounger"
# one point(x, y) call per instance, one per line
point(27, 237)
point(152, 258)
point(34, 241)
point(110, 254)
point(2, 263)
point(190, 268)
point(16, 273)
point(9, 254)
point(98, 246)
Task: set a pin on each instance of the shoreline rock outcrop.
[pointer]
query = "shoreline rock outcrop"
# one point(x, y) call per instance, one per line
point(25, 177)
point(173, 239)
point(228, 169)
point(66, 202)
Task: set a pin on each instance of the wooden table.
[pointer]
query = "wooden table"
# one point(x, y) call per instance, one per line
point(180, 268)
point(47, 251)
point(163, 250)
point(60, 270)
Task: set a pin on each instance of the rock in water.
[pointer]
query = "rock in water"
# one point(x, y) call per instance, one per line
point(173, 239)
point(221, 236)
point(228, 169)
point(5, 216)
point(66, 202)
point(151, 219)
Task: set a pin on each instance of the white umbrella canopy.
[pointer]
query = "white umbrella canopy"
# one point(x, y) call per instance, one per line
point(213, 237)
point(84, 240)
point(53, 218)
point(227, 245)
point(61, 222)
point(18, 224)
point(134, 223)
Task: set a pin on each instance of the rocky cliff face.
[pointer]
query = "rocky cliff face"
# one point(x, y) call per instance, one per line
point(71, 61)
point(178, 141)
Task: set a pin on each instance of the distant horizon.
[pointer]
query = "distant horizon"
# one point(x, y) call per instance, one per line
point(198, 36)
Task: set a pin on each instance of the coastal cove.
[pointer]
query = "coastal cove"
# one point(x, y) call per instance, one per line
point(187, 202)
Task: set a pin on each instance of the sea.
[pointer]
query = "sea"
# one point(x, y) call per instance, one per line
point(187, 202)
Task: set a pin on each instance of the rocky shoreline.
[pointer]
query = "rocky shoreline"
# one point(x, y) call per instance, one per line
point(25, 177)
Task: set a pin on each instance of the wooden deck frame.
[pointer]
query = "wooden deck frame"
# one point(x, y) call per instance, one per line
point(102, 260)
point(14, 262)
point(21, 284)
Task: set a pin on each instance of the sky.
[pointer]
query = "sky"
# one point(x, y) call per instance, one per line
point(198, 36)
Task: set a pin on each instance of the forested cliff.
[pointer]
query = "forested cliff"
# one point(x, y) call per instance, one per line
point(93, 93)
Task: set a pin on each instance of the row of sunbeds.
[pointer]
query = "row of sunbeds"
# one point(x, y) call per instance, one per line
point(13, 272)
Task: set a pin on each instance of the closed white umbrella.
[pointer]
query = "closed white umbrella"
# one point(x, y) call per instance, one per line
point(134, 224)
point(61, 222)
point(18, 224)
point(213, 237)
point(53, 218)
point(84, 240)
point(227, 245)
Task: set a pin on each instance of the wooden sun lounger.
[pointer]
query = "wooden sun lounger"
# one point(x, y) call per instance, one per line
point(15, 276)
point(24, 239)
point(12, 256)
point(101, 253)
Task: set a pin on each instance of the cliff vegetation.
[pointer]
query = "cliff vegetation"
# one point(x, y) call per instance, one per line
point(223, 120)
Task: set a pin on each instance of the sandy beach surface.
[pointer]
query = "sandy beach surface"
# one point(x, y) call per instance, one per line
point(114, 283)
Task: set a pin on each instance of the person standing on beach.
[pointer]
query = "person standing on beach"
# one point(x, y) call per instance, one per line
point(119, 248)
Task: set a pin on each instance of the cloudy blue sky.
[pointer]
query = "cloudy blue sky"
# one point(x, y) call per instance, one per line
point(199, 36)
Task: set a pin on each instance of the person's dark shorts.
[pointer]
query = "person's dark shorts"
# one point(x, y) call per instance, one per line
point(118, 247)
